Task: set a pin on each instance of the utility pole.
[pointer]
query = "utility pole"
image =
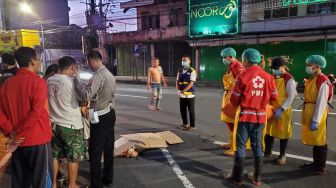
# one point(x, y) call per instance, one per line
point(100, 7)
point(92, 6)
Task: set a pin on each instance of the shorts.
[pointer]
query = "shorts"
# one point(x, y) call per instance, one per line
point(67, 143)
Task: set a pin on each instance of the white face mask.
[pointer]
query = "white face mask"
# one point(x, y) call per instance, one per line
point(226, 61)
point(277, 72)
point(185, 64)
point(309, 70)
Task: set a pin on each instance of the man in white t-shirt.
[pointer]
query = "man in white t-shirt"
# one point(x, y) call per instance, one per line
point(68, 139)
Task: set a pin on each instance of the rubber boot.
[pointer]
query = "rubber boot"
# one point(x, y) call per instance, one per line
point(231, 151)
point(236, 177)
point(320, 166)
point(282, 158)
point(256, 176)
point(311, 166)
point(269, 142)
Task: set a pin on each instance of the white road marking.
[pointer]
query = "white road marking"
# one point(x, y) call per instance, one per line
point(330, 113)
point(288, 155)
point(177, 170)
point(303, 158)
point(295, 110)
point(134, 96)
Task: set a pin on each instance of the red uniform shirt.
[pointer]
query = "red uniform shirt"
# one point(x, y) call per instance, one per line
point(236, 68)
point(24, 104)
point(286, 77)
point(320, 80)
point(253, 90)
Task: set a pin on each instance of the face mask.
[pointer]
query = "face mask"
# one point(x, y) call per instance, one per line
point(277, 72)
point(185, 64)
point(226, 62)
point(309, 70)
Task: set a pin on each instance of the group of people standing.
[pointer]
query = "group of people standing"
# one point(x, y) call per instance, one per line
point(45, 118)
point(257, 109)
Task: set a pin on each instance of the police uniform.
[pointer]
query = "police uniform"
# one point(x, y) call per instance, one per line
point(100, 91)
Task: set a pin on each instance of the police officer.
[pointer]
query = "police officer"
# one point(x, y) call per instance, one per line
point(235, 68)
point(280, 125)
point(102, 117)
point(186, 77)
point(253, 90)
point(318, 92)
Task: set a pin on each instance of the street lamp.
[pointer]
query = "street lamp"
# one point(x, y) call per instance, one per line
point(26, 8)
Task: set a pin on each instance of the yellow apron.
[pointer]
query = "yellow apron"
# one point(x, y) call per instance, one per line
point(280, 128)
point(318, 137)
point(228, 82)
point(236, 122)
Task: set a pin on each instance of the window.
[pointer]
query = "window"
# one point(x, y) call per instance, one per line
point(267, 14)
point(293, 11)
point(182, 17)
point(155, 24)
point(150, 21)
point(280, 13)
point(145, 23)
point(324, 8)
point(311, 9)
point(177, 18)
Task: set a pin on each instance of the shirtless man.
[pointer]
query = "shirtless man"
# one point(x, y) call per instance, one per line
point(154, 79)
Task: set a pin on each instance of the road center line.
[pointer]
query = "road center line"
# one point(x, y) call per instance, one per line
point(134, 96)
point(177, 170)
point(287, 155)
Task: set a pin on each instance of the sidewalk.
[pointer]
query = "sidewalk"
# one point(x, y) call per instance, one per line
point(141, 80)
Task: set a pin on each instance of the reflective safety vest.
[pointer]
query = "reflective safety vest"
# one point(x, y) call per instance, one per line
point(280, 128)
point(184, 80)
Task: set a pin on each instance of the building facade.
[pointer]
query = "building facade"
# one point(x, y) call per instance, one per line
point(295, 29)
point(202, 28)
point(162, 30)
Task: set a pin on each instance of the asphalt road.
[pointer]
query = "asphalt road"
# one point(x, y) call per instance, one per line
point(199, 162)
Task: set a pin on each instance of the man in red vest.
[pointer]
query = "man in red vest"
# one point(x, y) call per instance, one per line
point(253, 90)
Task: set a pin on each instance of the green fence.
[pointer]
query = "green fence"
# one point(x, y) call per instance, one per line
point(212, 68)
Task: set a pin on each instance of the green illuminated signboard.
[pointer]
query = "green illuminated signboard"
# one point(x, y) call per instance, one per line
point(213, 17)
point(287, 3)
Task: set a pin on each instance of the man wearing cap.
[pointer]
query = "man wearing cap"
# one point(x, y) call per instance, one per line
point(234, 70)
point(280, 125)
point(318, 92)
point(254, 88)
